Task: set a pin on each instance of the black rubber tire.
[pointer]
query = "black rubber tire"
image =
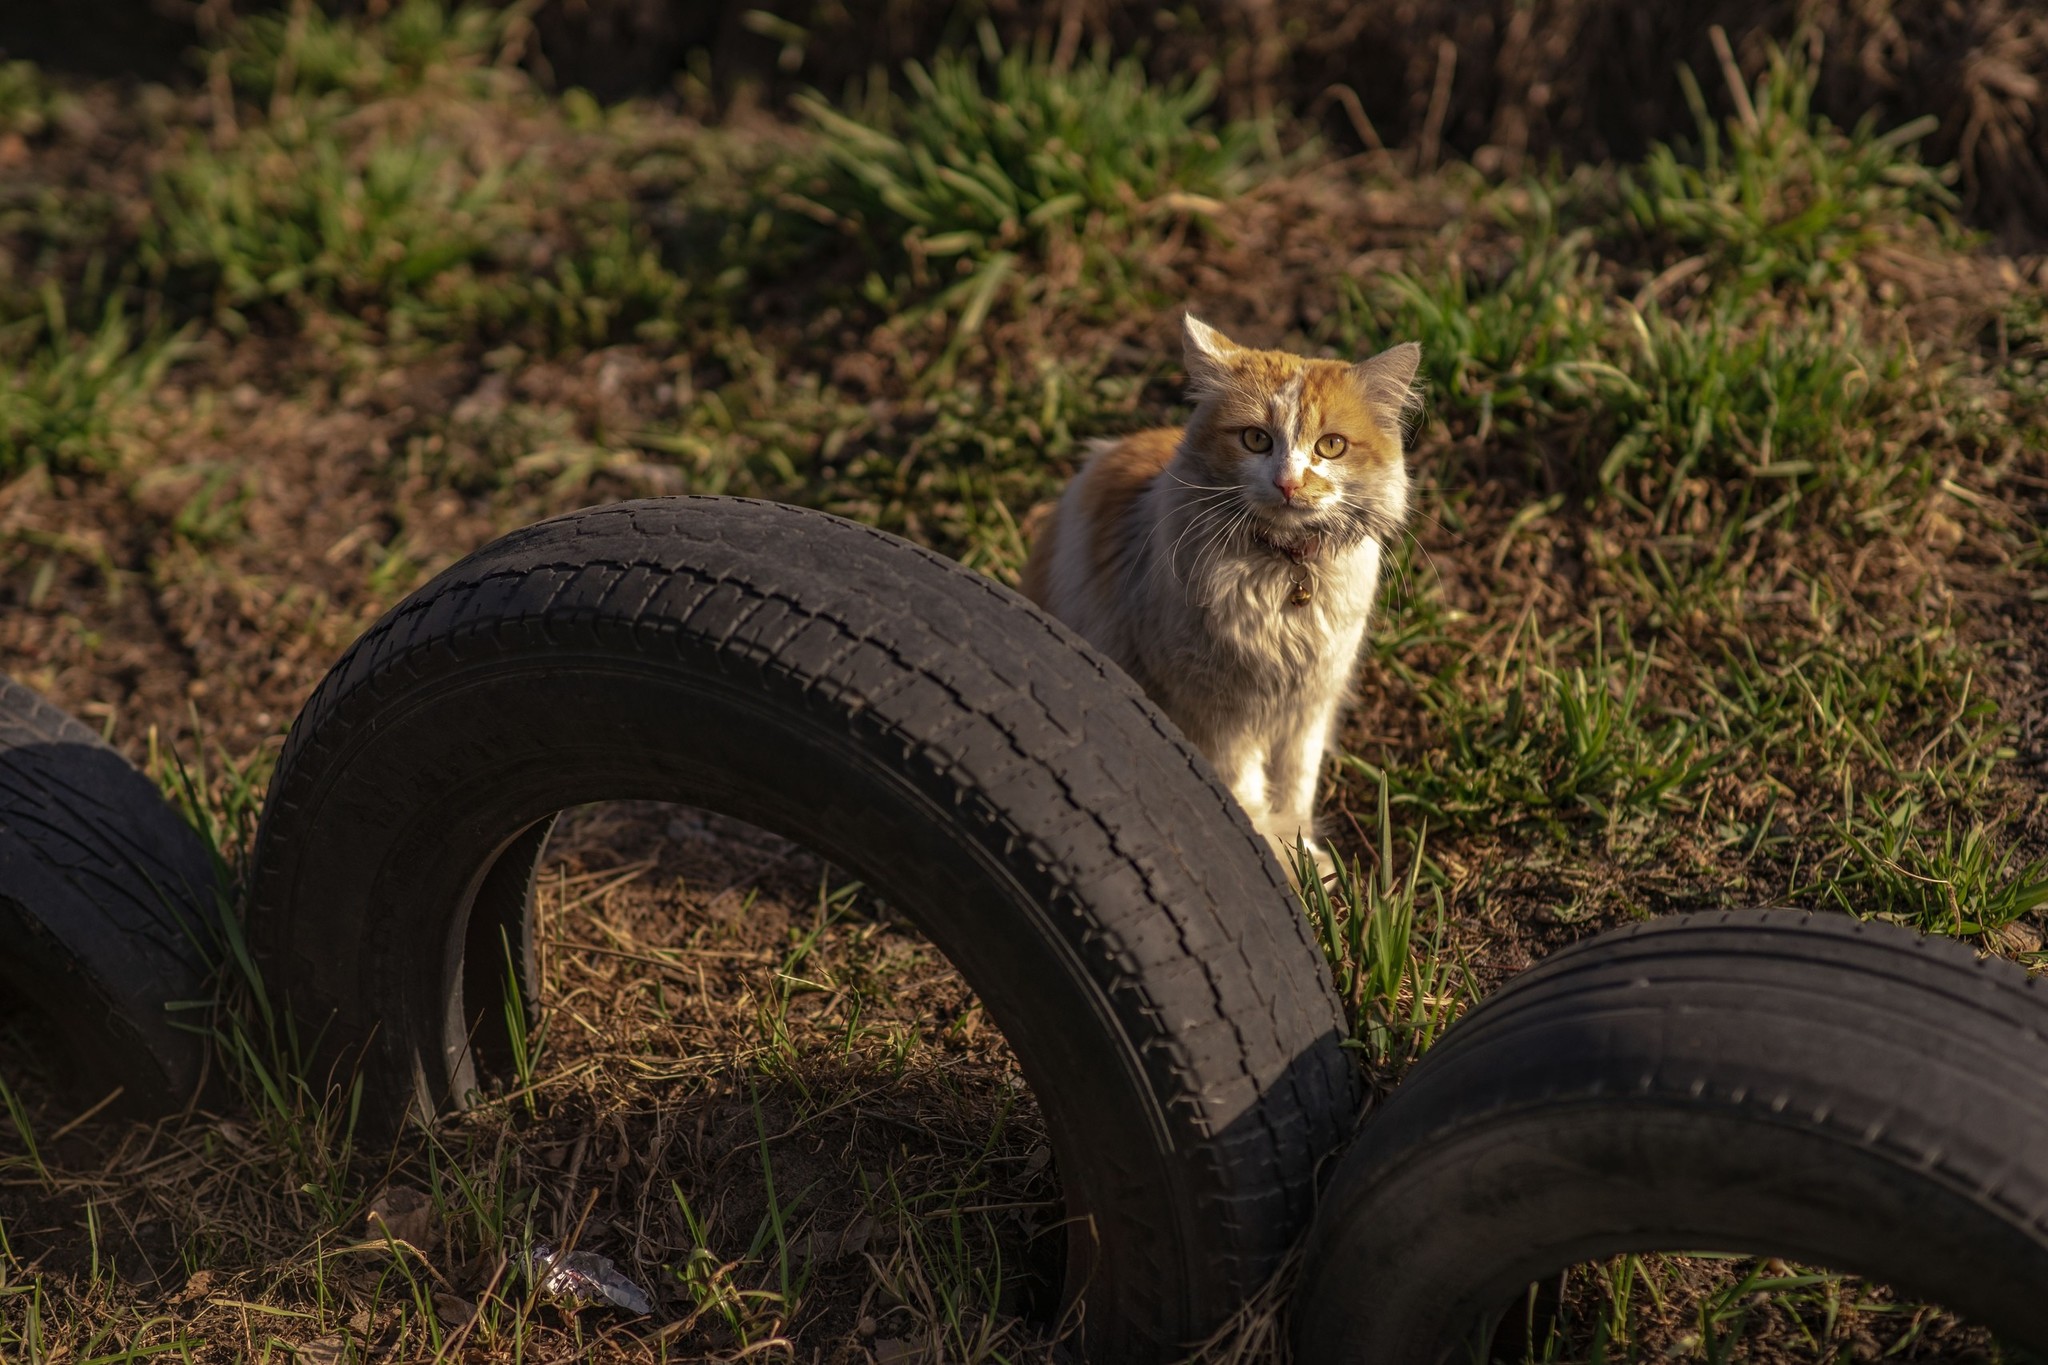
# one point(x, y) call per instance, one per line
point(1842, 1094)
point(109, 909)
point(924, 728)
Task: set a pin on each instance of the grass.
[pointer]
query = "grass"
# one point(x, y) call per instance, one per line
point(67, 394)
point(1724, 587)
point(1394, 972)
point(994, 153)
point(1778, 195)
point(1535, 740)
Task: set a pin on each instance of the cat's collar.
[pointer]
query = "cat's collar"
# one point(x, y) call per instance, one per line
point(1304, 549)
point(1300, 552)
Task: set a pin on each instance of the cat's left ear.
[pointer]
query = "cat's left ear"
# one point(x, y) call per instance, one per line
point(1388, 381)
point(1208, 355)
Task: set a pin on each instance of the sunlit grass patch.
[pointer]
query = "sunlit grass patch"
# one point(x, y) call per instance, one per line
point(63, 392)
point(301, 50)
point(1910, 713)
point(302, 211)
point(26, 100)
point(957, 194)
point(1383, 933)
point(418, 207)
point(997, 150)
point(1716, 1308)
point(1784, 408)
point(1960, 877)
point(1780, 195)
point(1500, 351)
point(405, 226)
point(1869, 774)
point(1547, 733)
point(1784, 412)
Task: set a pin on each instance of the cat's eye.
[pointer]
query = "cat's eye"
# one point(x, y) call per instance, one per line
point(1332, 447)
point(1257, 440)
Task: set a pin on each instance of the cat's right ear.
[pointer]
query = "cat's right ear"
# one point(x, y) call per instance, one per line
point(1208, 355)
point(1388, 380)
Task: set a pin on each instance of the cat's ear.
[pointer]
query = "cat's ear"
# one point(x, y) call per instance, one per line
point(1388, 381)
point(1208, 355)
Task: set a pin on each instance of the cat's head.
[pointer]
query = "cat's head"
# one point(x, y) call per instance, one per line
point(1313, 446)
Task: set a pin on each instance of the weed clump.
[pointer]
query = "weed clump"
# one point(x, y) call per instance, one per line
point(1005, 148)
point(997, 153)
point(379, 188)
point(63, 393)
point(1782, 196)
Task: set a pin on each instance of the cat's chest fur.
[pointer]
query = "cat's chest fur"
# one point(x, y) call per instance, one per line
point(1232, 615)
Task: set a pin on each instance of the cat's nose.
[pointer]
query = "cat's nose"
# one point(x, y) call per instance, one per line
point(1288, 482)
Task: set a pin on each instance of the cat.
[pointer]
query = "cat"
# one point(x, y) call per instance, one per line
point(1229, 566)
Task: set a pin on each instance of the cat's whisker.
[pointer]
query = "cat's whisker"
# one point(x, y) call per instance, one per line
point(1199, 519)
point(1220, 543)
point(1200, 574)
point(1408, 590)
point(1199, 503)
point(1206, 487)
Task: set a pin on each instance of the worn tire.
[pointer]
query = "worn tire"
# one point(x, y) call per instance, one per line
point(928, 730)
point(108, 902)
point(1843, 1094)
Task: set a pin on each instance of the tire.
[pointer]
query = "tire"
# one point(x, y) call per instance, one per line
point(1843, 1094)
point(930, 731)
point(108, 908)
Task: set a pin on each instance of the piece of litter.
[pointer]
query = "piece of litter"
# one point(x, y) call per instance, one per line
point(587, 1278)
point(327, 1350)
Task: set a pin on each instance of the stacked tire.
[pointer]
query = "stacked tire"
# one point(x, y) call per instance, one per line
point(1844, 1094)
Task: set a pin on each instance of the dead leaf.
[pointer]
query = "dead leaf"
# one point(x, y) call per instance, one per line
point(403, 1214)
point(198, 1287)
point(854, 1239)
point(2019, 937)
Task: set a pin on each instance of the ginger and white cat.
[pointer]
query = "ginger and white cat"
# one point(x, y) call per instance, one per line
point(1229, 566)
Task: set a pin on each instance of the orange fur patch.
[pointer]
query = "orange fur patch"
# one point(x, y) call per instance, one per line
point(1106, 487)
point(1331, 402)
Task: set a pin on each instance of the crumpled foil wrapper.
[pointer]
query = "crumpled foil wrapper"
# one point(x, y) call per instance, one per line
point(586, 1277)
